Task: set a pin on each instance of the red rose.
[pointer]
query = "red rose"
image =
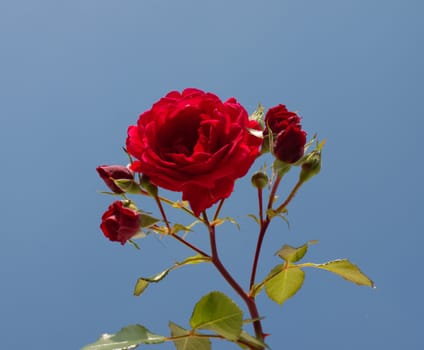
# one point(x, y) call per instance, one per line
point(290, 144)
point(108, 173)
point(194, 143)
point(120, 223)
point(289, 138)
point(278, 118)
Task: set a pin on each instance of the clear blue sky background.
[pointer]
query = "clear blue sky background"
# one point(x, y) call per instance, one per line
point(75, 74)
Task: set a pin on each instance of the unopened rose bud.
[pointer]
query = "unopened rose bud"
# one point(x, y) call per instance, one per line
point(290, 144)
point(259, 180)
point(110, 173)
point(311, 166)
point(120, 222)
point(278, 118)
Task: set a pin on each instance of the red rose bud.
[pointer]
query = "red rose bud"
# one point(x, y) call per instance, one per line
point(110, 173)
point(278, 118)
point(120, 223)
point(290, 144)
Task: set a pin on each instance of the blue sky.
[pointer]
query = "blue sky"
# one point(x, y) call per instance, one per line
point(75, 74)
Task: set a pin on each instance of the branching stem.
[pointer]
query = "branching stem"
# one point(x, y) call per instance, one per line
point(249, 301)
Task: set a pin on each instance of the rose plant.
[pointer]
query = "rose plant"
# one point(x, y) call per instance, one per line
point(192, 142)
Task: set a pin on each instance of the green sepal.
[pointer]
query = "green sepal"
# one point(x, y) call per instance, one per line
point(147, 220)
point(217, 312)
point(188, 340)
point(143, 282)
point(258, 115)
point(347, 270)
point(293, 254)
point(311, 163)
point(134, 244)
point(283, 282)
point(127, 338)
point(267, 143)
point(280, 167)
point(151, 189)
point(128, 186)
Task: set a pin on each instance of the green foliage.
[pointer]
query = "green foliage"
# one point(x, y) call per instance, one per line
point(127, 338)
point(187, 340)
point(218, 313)
point(143, 282)
point(220, 221)
point(247, 338)
point(255, 218)
point(283, 282)
point(280, 167)
point(292, 254)
point(271, 213)
point(347, 270)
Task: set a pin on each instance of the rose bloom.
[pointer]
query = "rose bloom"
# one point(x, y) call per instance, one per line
point(290, 144)
point(278, 118)
point(194, 143)
point(120, 223)
point(289, 138)
point(108, 173)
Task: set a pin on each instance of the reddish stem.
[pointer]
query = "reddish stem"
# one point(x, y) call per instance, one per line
point(263, 227)
point(218, 210)
point(182, 240)
point(260, 200)
point(250, 301)
point(191, 246)
point(290, 197)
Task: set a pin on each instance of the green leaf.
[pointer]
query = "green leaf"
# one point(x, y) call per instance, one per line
point(188, 340)
point(292, 254)
point(127, 338)
point(140, 287)
point(180, 227)
point(283, 282)
point(254, 217)
point(217, 312)
point(347, 270)
point(271, 213)
point(247, 338)
point(192, 260)
point(220, 221)
point(143, 282)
